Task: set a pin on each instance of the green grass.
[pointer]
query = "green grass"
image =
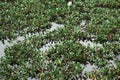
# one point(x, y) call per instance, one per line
point(64, 62)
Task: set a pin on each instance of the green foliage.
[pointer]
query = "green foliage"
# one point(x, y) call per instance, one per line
point(64, 60)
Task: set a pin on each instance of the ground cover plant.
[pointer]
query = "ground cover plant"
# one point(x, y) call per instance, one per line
point(65, 60)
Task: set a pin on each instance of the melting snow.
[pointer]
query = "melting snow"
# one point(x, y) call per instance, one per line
point(69, 3)
point(54, 26)
point(29, 78)
point(46, 46)
point(88, 68)
point(90, 44)
point(2, 47)
point(83, 23)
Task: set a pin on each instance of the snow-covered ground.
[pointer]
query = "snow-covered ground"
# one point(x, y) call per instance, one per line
point(54, 26)
point(90, 44)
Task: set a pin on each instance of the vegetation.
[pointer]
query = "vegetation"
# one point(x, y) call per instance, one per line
point(64, 60)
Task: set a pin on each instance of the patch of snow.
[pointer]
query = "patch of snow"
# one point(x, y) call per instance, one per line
point(47, 46)
point(2, 47)
point(89, 79)
point(20, 38)
point(112, 63)
point(83, 27)
point(69, 3)
point(6, 43)
point(90, 44)
point(29, 78)
point(118, 57)
point(55, 26)
point(88, 68)
point(83, 23)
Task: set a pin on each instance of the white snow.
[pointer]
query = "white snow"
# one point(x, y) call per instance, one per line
point(69, 3)
point(2, 47)
point(118, 57)
point(29, 78)
point(90, 44)
point(88, 68)
point(46, 46)
point(83, 23)
point(55, 26)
